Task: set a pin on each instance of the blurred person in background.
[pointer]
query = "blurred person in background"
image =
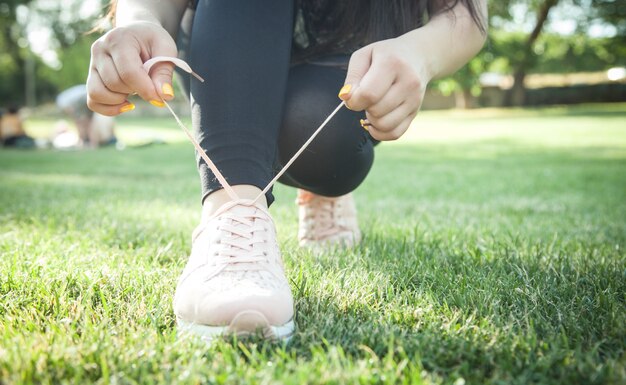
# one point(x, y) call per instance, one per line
point(94, 129)
point(12, 133)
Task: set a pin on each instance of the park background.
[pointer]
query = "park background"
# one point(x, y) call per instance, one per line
point(538, 53)
point(494, 231)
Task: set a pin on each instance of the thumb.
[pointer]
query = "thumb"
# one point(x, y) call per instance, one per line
point(360, 62)
point(161, 73)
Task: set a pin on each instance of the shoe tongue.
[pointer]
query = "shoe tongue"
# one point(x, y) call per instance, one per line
point(244, 210)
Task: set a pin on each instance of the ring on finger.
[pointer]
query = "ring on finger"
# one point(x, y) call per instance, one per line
point(365, 123)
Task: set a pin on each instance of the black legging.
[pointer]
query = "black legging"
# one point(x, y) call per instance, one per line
point(254, 111)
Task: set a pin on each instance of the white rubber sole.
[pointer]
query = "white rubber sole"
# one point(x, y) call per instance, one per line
point(249, 323)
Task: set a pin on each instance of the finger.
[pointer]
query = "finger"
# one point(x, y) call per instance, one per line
point(130, 69)
point(404, 97)
point(357, 67)
point(393, 99)
point(102, 100)
point(161, 73)
point(110, 110)
point(395, 133)
point(373, 86)
point(99, 93)
point(107, 73)
point(389, 122)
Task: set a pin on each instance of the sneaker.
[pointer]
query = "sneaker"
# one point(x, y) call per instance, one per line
point(234, 282)
point(325, 221)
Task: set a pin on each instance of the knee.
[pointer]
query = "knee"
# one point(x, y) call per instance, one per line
point(337, 160)
point(340, 157)
point(311, 95)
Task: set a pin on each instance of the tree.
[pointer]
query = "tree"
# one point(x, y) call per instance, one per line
point(517, 94)
point(20, 66)
point(502, 14)
point(12, 54)
point(522, 40)
point(464, 83)
point(608, 12)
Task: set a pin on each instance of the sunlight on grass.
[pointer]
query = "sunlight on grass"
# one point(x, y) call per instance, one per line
point(548, 127)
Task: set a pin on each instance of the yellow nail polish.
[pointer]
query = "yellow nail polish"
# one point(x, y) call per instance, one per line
point(167, 90)
point(127, 107)
point(364, 124)
point(345, 90)
point(157, 103)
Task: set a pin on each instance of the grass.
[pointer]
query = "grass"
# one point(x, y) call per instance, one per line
point(493, 254)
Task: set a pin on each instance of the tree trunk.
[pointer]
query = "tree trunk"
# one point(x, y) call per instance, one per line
point(30, 81)
point(516, 96)
point(463, 99)
point(13, 50)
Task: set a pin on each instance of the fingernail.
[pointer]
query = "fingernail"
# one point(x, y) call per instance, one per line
point(167, 90)
point(365, 124)
point(157, 103)
point(345, 90)
point(127, 107)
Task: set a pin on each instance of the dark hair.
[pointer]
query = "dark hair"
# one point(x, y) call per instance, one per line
point(341, 26)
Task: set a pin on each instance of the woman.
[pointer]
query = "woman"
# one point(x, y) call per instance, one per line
point(271, 70)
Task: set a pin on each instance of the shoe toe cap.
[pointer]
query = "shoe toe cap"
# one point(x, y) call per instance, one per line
point(193, 303)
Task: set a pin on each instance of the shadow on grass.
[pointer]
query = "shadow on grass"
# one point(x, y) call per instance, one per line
point(508, 310)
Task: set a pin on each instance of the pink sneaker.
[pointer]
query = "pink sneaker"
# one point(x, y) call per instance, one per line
point(234, 282)
point(325, 221)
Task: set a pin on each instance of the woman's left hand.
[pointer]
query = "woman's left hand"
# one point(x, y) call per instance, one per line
point(387, 79)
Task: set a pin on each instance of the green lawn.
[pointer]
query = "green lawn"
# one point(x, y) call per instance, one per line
point(493, 254)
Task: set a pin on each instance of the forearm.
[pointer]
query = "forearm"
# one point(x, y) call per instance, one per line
point(449, 40)
point(166, 13)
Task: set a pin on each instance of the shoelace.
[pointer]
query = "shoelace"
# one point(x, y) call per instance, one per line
point(241, 239)
point(323, 212)
point(240, 235)
point(229, 190)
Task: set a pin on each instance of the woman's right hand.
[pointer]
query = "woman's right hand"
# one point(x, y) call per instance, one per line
point(116, 68)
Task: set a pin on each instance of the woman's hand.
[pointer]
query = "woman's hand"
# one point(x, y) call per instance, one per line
point(116, 68)
point(387, 79)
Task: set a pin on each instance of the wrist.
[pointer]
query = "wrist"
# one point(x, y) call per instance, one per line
point(446, 43)
point(420, 54)
point(130, 15)
point(165, 14)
